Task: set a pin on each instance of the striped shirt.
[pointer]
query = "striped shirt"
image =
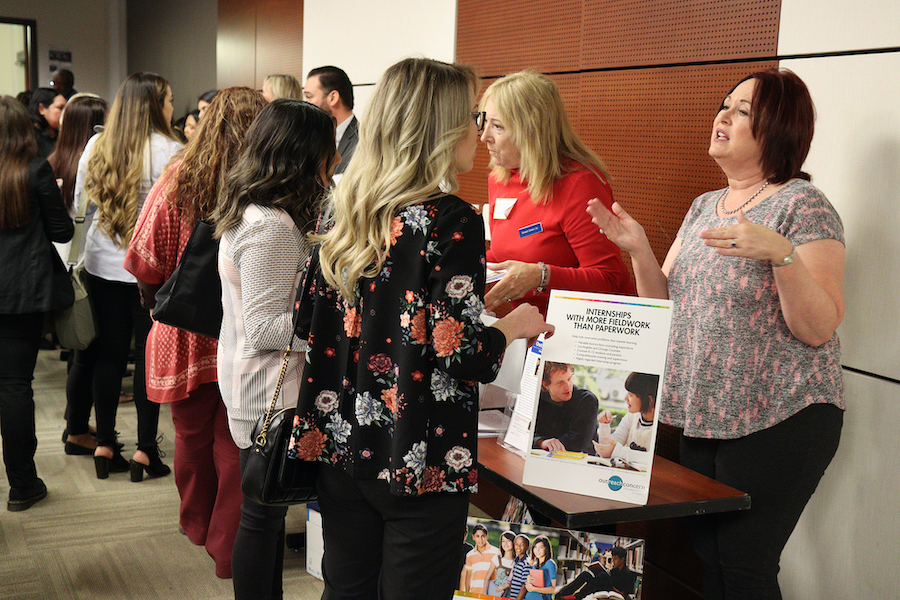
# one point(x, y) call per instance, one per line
point(518, 576)
point(260, 262)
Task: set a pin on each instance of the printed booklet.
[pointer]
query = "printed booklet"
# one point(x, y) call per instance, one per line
point(586, 416)
point(499, 558)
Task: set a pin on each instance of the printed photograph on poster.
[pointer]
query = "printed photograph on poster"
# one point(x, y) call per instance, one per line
point(602, 417)
point(509, 560)
point(594, 422)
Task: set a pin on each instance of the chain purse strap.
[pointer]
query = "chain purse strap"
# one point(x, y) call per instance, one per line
point(312, 265)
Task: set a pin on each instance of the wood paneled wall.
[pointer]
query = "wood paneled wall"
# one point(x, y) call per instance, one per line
point(641, 81)
point(257, 38)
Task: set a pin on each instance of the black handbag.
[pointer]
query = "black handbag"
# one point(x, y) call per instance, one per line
point(191, 298)
point(269, 476)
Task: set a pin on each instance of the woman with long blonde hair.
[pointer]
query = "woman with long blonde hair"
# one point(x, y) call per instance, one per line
point(182, 366)
point(116, 171)
point(541, 180)
point(388, 399)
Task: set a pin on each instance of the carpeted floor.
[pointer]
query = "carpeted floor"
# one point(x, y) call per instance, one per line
point(95, 539)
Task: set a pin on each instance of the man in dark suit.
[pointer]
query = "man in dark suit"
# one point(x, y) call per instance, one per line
point(330, 89)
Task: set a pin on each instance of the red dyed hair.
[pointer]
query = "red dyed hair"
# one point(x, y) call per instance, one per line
point(782, 121)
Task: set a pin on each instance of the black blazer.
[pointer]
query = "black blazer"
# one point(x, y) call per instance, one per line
point(32, 276)
point(347, 144)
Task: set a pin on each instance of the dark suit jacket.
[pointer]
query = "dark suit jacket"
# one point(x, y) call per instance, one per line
point(348, 144)
point(32, 276)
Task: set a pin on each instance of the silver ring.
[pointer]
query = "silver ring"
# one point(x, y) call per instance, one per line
point(601, 231)
point(733, 244)
point(509, 300)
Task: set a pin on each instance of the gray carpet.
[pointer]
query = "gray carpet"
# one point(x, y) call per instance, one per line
point(110, 539)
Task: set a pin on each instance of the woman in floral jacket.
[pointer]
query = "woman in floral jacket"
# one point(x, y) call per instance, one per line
point(389, 398)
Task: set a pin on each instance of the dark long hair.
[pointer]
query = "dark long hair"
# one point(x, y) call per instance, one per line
point(43, 96)
point(17, 148)
point(288, 148)
point(82, 114)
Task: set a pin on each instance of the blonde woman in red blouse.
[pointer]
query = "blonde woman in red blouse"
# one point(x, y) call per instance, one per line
point(543, 176)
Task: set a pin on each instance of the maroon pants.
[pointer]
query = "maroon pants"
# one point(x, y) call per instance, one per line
point(207, 474)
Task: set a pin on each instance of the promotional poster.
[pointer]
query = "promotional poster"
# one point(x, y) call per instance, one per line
point(594, 389)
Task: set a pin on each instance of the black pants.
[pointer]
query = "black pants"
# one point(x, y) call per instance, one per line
point(20, 337)
point(96, 374)
point(257, 560)
point(780, 468)
point(388, 547)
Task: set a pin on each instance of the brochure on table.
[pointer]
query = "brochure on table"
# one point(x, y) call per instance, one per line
point(583, 562)
point(604, 341)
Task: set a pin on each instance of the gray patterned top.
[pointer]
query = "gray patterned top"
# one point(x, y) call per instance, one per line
point(734, 367)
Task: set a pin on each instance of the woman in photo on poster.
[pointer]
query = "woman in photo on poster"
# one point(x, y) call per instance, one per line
point(541, 559)
point(501, 566)
point(633, 436)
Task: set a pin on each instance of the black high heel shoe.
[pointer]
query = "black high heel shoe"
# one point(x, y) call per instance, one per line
point(104, 466)
point(156, 468)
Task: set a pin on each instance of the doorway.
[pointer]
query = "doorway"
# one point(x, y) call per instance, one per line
point(18, 56)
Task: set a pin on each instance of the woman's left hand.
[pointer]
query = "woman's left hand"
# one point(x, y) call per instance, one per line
point(749, 240)
point(520, 279)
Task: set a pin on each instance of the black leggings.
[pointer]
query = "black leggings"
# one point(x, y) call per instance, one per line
point(780, 468)
point(257, 560)
point(96, 373)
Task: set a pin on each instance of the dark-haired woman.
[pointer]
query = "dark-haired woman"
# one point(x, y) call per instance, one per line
point(83, 113)
point(754, 373)
point(33, 280)
point(116, 171)
point(269, 203)
point(541, 559)
point(634, 433)
point(45, 108)
point(181, 366)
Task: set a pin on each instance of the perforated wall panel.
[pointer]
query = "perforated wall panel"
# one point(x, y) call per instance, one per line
point(624, 32)
point(279, 39)
point(257, 38)
point(505, 36)
point(652, 128)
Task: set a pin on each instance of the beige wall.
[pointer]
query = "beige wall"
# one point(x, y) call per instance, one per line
point(89, 29)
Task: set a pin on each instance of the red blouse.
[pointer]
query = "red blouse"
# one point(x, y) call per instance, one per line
point(178, 362)
point(579, 256)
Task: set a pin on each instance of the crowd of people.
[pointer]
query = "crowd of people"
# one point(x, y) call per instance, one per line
point(385, 384)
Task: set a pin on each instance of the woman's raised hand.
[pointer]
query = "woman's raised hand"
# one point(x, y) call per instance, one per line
point(749, 240)
point(617, 225)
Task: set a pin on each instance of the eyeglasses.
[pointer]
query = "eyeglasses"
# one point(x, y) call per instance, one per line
point(479, 119)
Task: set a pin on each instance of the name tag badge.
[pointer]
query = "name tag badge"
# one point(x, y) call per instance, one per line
point(502, 207)
point(530, 230)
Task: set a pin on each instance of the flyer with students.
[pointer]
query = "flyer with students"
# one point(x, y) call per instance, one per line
point(597, 381)
point(508, 560)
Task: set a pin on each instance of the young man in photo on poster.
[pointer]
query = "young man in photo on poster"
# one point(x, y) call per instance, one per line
point(567, 414)
point(478, 561)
